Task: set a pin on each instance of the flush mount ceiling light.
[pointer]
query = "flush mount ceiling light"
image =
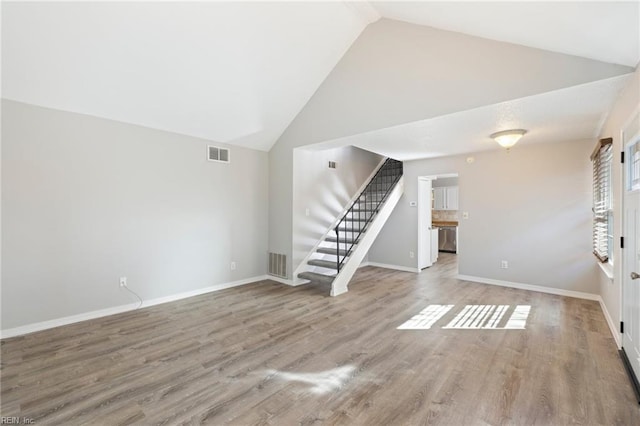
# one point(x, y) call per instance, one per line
point(508, 138)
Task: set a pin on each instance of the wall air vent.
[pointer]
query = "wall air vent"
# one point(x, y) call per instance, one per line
point(278, 265)
point(221, 155)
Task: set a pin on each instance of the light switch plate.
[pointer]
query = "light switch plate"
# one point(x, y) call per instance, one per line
point(413, 203)
point(465, 215)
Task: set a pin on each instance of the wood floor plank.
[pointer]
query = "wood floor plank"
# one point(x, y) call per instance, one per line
point(268, 354)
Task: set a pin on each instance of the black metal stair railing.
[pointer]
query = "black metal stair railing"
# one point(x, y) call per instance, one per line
point(361, 212)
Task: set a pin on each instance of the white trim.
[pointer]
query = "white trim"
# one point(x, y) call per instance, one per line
point(531, 287)
point(607, 269)
point(285, 281)
point(569, 293)
point(612, 327)
point(341, 282)
point(44, 325)
point(395, 267)
point(424, 209)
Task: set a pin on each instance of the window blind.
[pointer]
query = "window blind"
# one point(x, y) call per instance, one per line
point(602, 158)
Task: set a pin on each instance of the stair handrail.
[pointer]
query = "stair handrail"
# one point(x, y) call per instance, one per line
point(389, 165)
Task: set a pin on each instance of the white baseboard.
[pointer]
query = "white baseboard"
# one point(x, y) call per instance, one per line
point(395, 267)
point(612, 327)
point(198, 292)
point(557, 291)
point(299, 281)
point(531, 287)
point(44, 325)
point(292, 283)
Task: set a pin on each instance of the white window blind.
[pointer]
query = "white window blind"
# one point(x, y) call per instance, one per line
point(602, 158)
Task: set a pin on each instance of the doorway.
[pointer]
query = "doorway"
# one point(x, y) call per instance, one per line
point(437, 205)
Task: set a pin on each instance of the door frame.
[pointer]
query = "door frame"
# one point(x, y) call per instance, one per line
point(623, 188)
point(626, 143)
point(424, 205)
point(421, 207)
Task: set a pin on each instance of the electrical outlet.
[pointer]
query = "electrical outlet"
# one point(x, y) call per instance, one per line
point(123, 281)
point(233, 266)
point(504, 264)
point(411, 254)
point(465, 215)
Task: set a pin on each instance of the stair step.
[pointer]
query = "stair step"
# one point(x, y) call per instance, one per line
point(351, 229)
point(348, 240)
point(323, 263)
point(372, 197)
point(315, 277)
point(328, 250)
point(368, 206)
point(355, 219)
point(362, 210)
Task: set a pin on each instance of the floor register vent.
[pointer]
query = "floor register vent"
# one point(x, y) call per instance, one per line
point(278, 265)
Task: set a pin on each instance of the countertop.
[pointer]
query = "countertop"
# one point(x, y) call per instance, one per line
point(443, 223)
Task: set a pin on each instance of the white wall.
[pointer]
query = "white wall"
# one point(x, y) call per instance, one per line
point(447, 181)
point(531, 207)
point(396, 73)
point(324, 191)
point(87, 200)
point(627, 104)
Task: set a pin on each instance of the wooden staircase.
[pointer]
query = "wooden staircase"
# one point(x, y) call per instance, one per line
point(337, 249)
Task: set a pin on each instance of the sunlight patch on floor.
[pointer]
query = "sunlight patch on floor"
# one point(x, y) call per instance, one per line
point(518, 319)
point(472, 317)
point(320, 383)
point(426, 318)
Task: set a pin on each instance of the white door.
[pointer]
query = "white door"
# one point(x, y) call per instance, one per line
point(434, 245)
point(631, 256)
point(424, 223)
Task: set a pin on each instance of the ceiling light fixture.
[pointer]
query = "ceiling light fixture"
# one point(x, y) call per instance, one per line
point(508, 138)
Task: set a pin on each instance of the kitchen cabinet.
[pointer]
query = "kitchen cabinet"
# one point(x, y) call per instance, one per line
point(438, 198)
point(445, 198)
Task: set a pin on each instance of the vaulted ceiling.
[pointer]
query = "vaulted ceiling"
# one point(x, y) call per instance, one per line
point(603, 30)
point(240, 73)
point(232, 72)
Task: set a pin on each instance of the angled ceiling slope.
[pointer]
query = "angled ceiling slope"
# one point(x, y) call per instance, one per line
point(574, 113)
point(230, 72)
point(397, 73)
point(607, 31)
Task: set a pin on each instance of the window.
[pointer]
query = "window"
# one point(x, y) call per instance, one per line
point(602, 200)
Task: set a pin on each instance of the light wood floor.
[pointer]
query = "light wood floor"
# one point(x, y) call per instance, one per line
point(266, 353)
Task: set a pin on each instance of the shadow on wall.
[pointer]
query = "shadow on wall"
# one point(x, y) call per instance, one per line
point(321, 193)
